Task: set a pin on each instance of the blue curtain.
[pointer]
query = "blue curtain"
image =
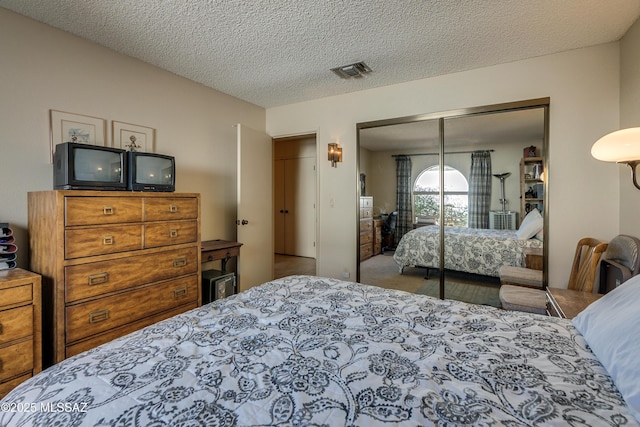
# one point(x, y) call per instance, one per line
point(403, 197)
point(480, 189)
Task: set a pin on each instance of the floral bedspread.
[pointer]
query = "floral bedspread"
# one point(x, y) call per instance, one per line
point(315, 351)
point(472, 250)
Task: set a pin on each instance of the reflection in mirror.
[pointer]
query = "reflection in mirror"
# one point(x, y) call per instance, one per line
point(489, 184)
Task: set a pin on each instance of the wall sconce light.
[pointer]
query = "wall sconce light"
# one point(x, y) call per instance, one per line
point(622, 146)
point(335, 154)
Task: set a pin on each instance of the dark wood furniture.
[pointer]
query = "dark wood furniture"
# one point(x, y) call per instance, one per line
point(377, 236)
point(366, 228)
point(112, 262)
point(223, 250)
point(567, 303)
point(20, 327)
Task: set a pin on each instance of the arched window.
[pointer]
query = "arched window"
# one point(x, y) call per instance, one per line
point(426, 195)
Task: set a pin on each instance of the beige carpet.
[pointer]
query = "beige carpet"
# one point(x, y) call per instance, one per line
point(381, 270)
point(467, 292)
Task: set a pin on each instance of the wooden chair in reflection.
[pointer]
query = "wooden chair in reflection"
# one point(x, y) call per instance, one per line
point(526, 296)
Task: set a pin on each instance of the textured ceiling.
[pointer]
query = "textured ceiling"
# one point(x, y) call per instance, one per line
point(277, 52)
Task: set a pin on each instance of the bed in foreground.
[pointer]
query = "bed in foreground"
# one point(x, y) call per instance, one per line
point(315, 351)
point(470, 250)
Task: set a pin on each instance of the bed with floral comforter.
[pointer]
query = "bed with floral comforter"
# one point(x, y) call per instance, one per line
point(470, 250)
point(306, 350)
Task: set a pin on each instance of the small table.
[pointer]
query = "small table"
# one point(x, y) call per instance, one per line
point(567, 303)
point(213, 250)
point(533, 258)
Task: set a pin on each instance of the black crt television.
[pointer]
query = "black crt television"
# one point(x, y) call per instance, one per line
point(151, 172)
point(89, 167)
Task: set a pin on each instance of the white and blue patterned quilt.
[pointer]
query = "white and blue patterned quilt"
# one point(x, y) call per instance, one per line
point(310, 351)
point(471, 250)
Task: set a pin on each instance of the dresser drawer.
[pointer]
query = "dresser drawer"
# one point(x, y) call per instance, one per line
point(366, 238)
point(170, 208)
point(16, 295)
point(5, 388)
point(90, 280)
point(366, 251)
point(170, 233)
point(84, 242)
point(84, 345)
point(102, 210)
point(366, 225)
point(94, 317)
point(16, 323)
point(16, 359)
point(366, 213)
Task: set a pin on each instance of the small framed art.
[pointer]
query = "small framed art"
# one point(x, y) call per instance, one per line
point(133, 137)
point(70, 127)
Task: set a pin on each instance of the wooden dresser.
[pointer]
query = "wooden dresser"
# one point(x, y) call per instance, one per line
point(20, 327)
point(366, 228)
point(377, 236)
point(112, 262)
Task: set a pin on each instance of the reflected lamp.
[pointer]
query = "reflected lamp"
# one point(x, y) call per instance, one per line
point(334, 154)
point(622, 146)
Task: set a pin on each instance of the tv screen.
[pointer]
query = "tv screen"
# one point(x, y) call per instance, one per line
point(151, 172)
point(97, 166)
point(154, 170)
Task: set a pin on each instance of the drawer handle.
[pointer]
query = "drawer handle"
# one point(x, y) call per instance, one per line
point(98, 316)
point(107, 240)
point(180, 262)
point(107, 210)
point(98, 279)
point(173, 233)
point(173, 208)
point(180, 292)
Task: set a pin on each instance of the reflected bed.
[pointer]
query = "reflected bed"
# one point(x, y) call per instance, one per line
point(469, 250)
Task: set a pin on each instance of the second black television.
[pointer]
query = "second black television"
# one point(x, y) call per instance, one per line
point(150, 172)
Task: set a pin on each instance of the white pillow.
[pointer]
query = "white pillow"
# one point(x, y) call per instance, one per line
point(609, 325)
point(531, 224)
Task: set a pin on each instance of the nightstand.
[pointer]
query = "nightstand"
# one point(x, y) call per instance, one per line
point(20, 327)
point(533, 258)
point(567, 303)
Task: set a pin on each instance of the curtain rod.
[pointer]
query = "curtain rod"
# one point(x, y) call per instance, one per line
point(437, 154)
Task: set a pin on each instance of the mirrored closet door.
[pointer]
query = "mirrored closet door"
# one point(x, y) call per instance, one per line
point(443, 196)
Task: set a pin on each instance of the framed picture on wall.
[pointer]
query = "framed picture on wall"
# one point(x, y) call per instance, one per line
point(133, 137)
point(71, 127)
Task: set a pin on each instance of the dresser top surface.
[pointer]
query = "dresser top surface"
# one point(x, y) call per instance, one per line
point(96, 193)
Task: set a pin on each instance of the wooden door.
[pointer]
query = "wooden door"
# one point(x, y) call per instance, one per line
point(294, 209)
point(300, 186)
point(255, 207)
point(279, 206)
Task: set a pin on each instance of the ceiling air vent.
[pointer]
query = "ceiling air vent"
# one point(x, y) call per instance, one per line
point(357, 70)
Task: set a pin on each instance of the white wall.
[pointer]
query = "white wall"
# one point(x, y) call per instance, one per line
point(583, 198)
point(44, 68)
point(629, 117)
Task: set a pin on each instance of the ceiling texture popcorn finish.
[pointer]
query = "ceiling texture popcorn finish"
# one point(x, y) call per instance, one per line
point(277, 52)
